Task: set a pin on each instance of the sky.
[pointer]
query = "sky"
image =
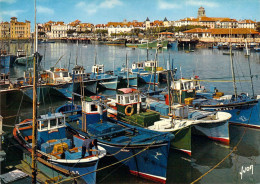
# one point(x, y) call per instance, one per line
point(103, 11)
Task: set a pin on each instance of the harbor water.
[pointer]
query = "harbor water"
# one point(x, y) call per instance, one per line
point(239, 165)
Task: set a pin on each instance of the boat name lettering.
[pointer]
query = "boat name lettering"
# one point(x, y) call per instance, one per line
point(54, 130)
point(246, 169)
point(125, 150)
point(243, 118)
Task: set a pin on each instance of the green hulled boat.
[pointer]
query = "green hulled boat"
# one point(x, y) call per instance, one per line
point(153, 44)
point(26, 60)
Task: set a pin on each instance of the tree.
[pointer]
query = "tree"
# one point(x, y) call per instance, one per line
point(258, 26)
point(71, 31)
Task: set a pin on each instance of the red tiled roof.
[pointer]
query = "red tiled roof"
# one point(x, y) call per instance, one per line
point(247, 21)
point(197, 30)
point(233, 31)
point(127, 24)
point(166, 33)
point(228, 20)
point(223, 31)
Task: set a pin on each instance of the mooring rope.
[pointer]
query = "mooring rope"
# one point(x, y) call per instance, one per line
point(234, 149)
point(108, 165)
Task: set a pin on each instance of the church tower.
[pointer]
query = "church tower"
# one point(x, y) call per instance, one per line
point(147, 23)
point(201, 12)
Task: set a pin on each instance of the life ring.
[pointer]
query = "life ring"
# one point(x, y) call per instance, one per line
point(126, 110)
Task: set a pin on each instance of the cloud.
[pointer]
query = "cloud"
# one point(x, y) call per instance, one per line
point(12, 13)
point(45, 10)
point(91, 8)
point(167, 5)
point(203, 3)
point(110, 3)
point(7, 1)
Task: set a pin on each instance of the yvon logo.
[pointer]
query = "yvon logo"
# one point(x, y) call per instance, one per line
point(246, 169)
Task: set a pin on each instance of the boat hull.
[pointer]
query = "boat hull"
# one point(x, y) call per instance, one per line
point(145, 164)
point(245, 114)
point(144, 159)
point(218, 131)
point(182, 140)
point(109, 83)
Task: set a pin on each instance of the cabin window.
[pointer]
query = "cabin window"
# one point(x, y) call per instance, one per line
point(61, 121)
point(93, 107)
point(136, 98)
point(132, 98)
point(118, 99)
point(65, 74)
point(182, 87)
point(56, 74)
point(44, 124)
point(53, 123)
point(127, 99)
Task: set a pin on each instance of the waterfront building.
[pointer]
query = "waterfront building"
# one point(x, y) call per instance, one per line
point(214, 22)
point(226, 34)
point(4, 30)
point(18, 30)
point(247, 24)
point(124, 27)
point(59, 30)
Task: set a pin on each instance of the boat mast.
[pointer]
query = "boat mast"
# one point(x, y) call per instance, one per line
point(127, 71)
point(156, 57)
point(34, 125)
point(232, 68)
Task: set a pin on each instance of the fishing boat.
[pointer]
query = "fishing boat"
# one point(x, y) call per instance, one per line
point(149, 72)
point(82, 83)
point(26, 60)
point(257, 49)
point(25, 85)
point(244, 110)
point(104, 80)
point(116, 42)
point(146, 44)
point(175, 118)
point(60, 81)
point(58, 149)
point(47, 139)
point(143, 151)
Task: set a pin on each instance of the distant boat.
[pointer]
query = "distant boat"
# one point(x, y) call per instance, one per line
point(257, 49)
point(46, 41)
point(26, 60)
point(227, 53)
point(147, 44)
point(116, 42)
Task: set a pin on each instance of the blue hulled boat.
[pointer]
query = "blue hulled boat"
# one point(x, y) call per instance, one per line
point(127, 77)
point(145, 152)
point(146, 72)
point(59, 80)
point(245, 111)
point(104, 80)
point(57, 148)
point(82, 82)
